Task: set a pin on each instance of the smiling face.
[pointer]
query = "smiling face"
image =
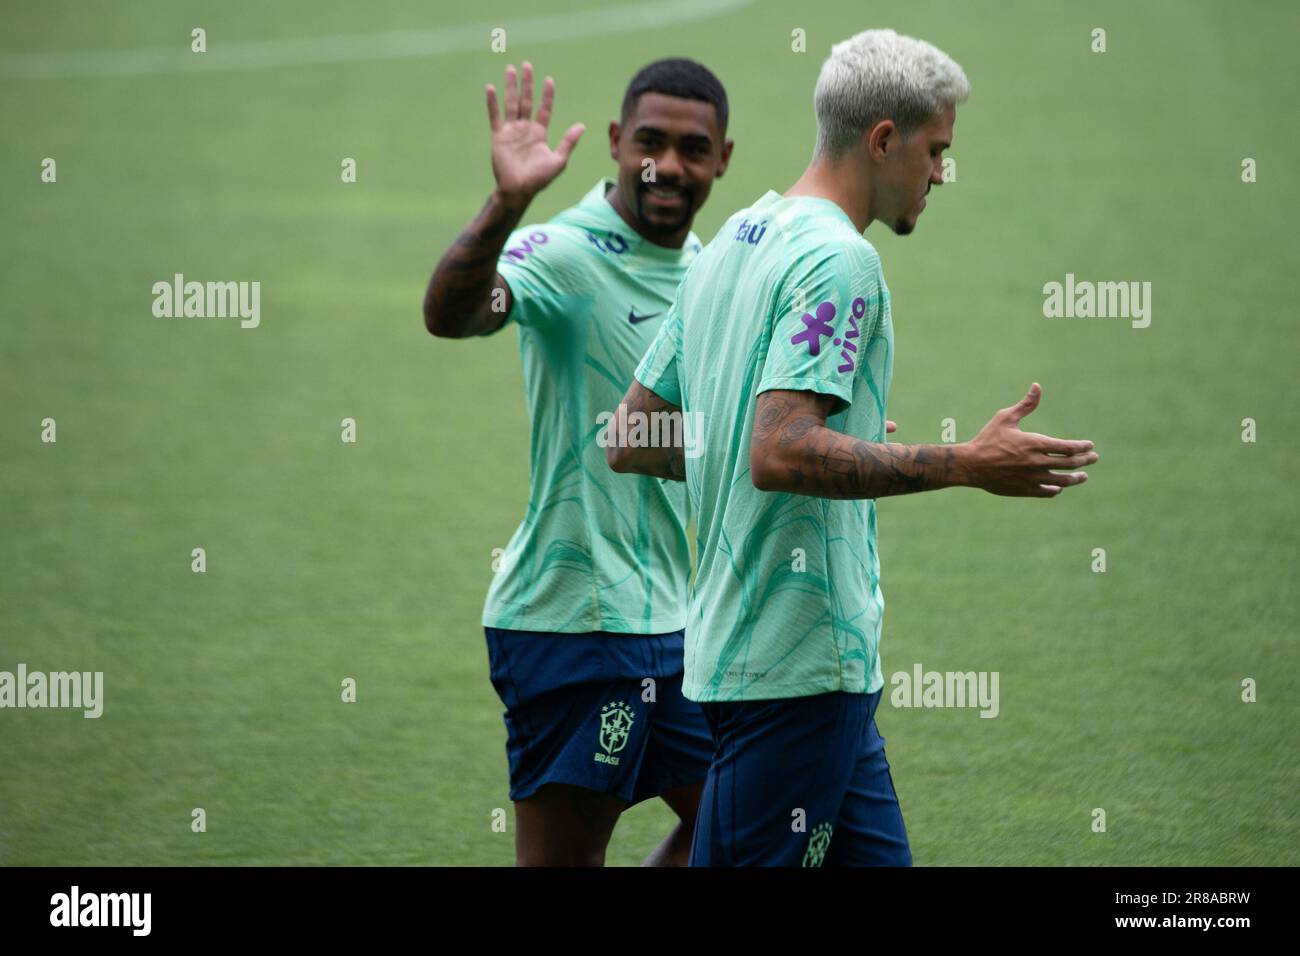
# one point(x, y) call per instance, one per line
point(685, 140)
point(906, 167)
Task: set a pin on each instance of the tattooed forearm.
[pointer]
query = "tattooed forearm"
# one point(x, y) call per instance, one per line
point(673, 464)
point(664, 457)
point(459, 299)
point(882, 469)
point(792, 450)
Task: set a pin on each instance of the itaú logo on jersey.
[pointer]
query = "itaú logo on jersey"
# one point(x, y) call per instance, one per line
point(817, 326)
point(612, 243)
point(751, 232)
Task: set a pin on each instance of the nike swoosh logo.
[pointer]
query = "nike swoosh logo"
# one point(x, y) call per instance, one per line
point(634, 318)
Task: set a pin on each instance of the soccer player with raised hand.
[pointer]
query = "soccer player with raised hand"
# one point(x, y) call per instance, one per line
point(584, 618)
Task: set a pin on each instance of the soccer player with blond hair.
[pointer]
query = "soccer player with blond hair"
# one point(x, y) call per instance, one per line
point(781, 339)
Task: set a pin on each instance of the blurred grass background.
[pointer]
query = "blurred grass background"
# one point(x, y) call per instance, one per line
point(327, 560)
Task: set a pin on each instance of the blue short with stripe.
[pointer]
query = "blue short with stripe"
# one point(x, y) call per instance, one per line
point(801, 781)
point(600, 710)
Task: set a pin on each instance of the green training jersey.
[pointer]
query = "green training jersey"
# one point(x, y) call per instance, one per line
point(786, 600)
point(597, 551)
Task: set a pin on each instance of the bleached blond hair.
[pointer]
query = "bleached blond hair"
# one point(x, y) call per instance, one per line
point(877, 75)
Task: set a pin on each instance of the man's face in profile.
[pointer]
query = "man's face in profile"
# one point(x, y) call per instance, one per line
point(912, 165)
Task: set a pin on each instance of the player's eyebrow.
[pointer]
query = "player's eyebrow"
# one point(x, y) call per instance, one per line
point(685, 138)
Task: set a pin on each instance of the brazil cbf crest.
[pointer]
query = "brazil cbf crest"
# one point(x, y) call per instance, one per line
point(615, 724)
point(819, 841)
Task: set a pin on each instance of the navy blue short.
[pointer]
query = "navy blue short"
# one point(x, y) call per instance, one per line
point(599, 710)
point(799, 782)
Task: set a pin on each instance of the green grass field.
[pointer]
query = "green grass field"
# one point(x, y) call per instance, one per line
point(1119, 690)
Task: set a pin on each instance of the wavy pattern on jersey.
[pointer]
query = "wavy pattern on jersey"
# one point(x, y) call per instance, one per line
point(596, 551)
point(803, 306)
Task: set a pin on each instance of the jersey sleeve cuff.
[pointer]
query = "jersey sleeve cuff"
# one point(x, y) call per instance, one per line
point(803, 383)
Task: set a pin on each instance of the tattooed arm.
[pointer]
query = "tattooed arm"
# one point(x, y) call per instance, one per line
point(465, 286)
point(792, 450)
point(661, 462)
point(462, 292)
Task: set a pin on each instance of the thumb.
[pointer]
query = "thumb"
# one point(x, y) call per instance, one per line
point(1026, 405)
point(570, 140)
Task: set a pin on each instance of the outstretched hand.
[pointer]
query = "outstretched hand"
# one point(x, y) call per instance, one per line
point(522, 161)
point(1008, 461)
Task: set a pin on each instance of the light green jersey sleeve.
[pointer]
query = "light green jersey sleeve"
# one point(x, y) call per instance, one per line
point(828, 304)
point(658, 368)
point(548, 269)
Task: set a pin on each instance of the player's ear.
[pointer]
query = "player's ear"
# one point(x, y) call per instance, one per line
point(726, 157)
point(615, 132)
point(881, 138)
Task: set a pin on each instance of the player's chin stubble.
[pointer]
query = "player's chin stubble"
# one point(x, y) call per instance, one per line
point(904, 226)
point(664, 228)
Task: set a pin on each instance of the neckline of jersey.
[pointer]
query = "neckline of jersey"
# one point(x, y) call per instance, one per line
point(777, 197)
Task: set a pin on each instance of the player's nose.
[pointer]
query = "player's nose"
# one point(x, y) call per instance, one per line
point(670, 165)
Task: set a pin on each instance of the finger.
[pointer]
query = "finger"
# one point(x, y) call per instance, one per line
point(526, 92)
point(570, 140)
point(1067, 461)
point(548, 97)
point(494, 118)
point(1060, 446)
point(1065, 480)
point(1046, 491)
point(890, 427)
point(1025, 405)
point(511, 91)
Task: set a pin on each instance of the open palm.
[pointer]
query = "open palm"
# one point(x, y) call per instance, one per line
point(522, 161)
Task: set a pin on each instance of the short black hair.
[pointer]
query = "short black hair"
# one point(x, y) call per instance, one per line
point(678, 76)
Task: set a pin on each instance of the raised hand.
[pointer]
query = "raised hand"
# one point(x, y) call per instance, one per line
point(1007, 461)
point(522, 161)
